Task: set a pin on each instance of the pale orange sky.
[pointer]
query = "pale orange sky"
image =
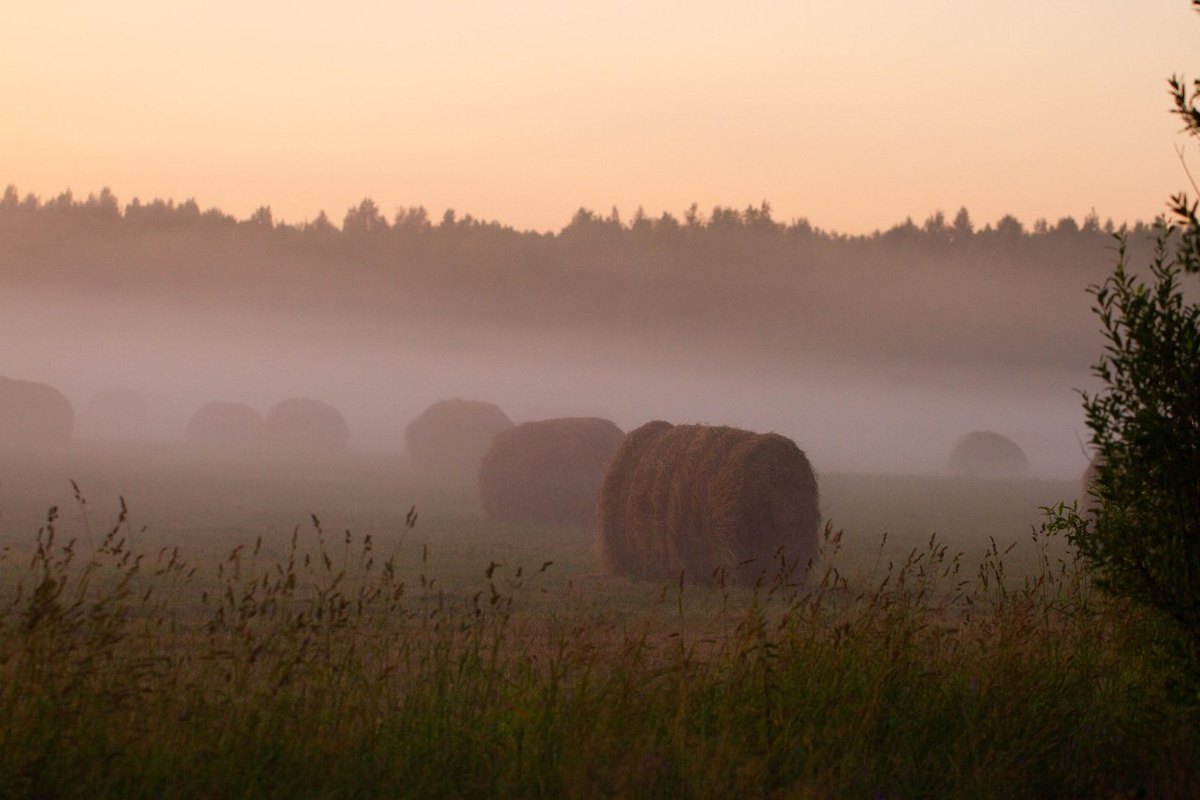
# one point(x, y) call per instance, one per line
point(854, 115)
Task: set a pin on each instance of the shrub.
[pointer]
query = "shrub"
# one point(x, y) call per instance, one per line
point(1143, 541)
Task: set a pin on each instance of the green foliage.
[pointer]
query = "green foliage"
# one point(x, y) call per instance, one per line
point(1143, 540)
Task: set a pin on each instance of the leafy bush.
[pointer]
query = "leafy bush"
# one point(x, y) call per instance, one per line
point(1143, 539)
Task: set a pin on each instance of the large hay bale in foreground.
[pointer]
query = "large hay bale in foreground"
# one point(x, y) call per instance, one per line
point(301, 423)
point(116, 414)
point(548, 471)
point(33, 415)
point(984, 454)
point(714, 503)
point(451, 436)
point(230, 426)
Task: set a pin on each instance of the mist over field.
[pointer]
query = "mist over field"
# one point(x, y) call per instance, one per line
point(618, 399)
point(875, 353)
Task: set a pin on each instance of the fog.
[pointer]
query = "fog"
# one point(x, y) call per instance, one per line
point(850, 414)
point(875, 353)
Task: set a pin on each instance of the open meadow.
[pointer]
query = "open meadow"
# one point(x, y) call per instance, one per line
point(290, 627)
point(208, 505)
point(599, 400)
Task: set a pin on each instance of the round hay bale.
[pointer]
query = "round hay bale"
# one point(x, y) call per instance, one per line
point(116, 414)
point(984, 454)
point(713, 503)
point(300, 423)
point(232, 426)
point(548, 471)
point(33, 415)
point(450, 437)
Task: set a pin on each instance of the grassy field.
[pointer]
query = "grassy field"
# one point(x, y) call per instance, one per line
point(208, 505)
point(252, 627)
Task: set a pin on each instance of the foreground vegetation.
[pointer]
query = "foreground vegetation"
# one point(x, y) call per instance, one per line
point(351, 664)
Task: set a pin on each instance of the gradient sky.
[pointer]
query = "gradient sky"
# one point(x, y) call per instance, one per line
point(854, 115)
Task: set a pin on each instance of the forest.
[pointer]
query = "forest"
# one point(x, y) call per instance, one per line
point(728, 282)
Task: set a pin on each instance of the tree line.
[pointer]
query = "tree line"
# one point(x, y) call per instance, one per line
point(367, 220)
point(945, 288)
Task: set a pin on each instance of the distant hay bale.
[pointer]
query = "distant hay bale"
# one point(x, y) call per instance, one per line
point(116, 414)
point(232, 426)
point(301, 423)
point(713, 503)
point(450, 437)
point(984, 454)
point(548, 471)
point(33, 415)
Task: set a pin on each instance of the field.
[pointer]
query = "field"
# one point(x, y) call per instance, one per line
point(291, 629)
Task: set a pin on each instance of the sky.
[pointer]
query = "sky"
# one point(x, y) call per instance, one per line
point(852, 115)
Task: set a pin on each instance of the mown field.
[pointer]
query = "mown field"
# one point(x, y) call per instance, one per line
point(253, 627)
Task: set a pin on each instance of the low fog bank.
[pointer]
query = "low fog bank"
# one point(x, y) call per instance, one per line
point(864, 414)
point(734, 284)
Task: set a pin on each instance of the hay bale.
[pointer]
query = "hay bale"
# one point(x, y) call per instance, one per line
point(984, 454)
point(301, 423)
point(548, 471)
point(449, 438)
point(33, 415)
point(714, 503)
point(116, 414)
point(229, 426)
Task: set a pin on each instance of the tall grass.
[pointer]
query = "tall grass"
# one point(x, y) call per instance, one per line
point(342, 670)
